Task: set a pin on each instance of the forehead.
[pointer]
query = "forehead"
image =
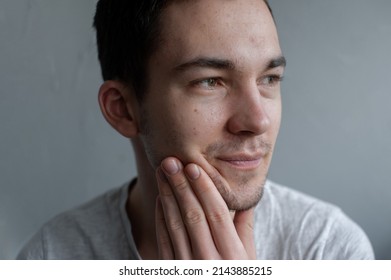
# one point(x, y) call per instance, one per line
point(217, 28)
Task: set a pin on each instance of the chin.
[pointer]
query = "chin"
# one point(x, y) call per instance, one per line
point(242, 195)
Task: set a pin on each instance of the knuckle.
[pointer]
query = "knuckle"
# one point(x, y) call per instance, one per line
point(218, 215)
point(246, 225)
point(164, 240)
point(193, 216)
point(250, 226)
point(181, 185)
point(175, 225)
point(166, 192)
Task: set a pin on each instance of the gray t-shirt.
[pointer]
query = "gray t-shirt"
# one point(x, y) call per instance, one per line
point(288, 225)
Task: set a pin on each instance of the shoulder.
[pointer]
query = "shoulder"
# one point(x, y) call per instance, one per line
point(310, 228)
point(90, 231)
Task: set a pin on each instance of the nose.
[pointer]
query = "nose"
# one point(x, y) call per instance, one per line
point(249, 113)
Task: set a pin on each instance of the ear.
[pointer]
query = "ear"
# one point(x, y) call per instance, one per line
point(119, 107)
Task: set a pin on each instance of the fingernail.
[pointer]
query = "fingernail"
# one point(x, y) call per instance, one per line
point(192, 171)
point(170, 166)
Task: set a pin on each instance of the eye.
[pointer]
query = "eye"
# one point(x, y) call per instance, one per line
point(208, 84)
point(271, 80)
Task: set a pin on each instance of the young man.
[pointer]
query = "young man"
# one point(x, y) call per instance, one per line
point(195, 85)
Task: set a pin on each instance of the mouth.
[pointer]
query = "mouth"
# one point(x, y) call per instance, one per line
point(242, 162)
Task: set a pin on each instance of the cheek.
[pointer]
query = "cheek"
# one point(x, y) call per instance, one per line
point(181, 129)
point(193, 129)
point(276, 116)
point(205, 123)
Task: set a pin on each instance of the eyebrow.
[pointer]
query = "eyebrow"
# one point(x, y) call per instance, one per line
point(277, 62)
point(204, 62)
point(216, 63)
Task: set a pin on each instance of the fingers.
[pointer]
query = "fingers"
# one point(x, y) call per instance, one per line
point(223, 231)
point(190, 193)
point(163, 238)
point(173, 222)
point(177, 190)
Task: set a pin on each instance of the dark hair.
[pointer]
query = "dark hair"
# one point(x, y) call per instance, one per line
point(127, 33)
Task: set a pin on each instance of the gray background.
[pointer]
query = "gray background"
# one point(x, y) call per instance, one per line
point(56, 150)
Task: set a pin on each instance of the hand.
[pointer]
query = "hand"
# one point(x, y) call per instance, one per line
point(193, 220)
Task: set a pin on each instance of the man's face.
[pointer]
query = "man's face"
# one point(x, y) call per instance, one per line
point(214, 94)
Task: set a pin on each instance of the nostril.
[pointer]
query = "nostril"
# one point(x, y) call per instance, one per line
point(248, 120)
point(249, 124)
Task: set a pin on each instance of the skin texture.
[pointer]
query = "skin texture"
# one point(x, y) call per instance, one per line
point(204, 135)
point(237, 117)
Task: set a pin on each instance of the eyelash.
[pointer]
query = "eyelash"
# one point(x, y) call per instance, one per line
point(273, 81)
point(216, 80)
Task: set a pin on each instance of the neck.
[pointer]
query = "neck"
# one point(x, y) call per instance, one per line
point(141, 207)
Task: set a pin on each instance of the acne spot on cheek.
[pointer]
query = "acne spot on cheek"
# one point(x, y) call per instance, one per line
point(195, 132)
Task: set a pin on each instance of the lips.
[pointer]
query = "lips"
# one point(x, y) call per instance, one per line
point(242, 161)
